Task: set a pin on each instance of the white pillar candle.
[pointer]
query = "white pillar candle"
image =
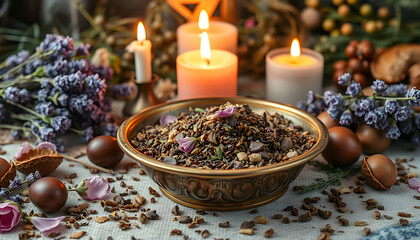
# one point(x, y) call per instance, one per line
point(222, 35)
point(142, 50)
point(211, 73)
point(291, 74)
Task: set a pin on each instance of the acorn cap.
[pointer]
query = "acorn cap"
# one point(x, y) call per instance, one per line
point(43, 160)
point(8, 176)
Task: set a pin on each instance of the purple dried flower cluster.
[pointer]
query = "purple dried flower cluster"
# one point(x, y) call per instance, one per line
point(390, 108)
point(9, 193)
point(55, 90)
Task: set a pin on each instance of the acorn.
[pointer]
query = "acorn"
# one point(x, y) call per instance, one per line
point(379, 171)
point(43, 160)
point(7, 172)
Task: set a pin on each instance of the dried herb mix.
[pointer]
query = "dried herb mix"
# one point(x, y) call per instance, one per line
point(224, 137)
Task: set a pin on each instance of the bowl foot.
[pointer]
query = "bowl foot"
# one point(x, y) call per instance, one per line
point(226, 206)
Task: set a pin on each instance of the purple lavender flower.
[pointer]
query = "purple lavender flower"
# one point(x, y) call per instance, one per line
point(416, 140)
point(104, 116)
point(371, 118)
point(61, 123)
point(393, 132)
point(63, 100)
point(382, 119)
point(104, 72)
point(62, 112)
point(15, 184)
point(406, 127)
point(122, 90)
point(94, 82)
point(47, 134)
point(334, 100)
point(106, 104)
point(80, 103)
point(313, 109)
point(109, 129)
point(14, 60)
point(17, 134)
point(61, 46)
point(82, 65)
point(69, 83)
point(354, 89)
point(327, 95)
point(402, 114)
point(391, 106)
point(367, 104)
point(34, 129)
point(311, 97)
point(88, 134)
point(45, 108)
point(82, 50)
point(17, 199)
point(397, 90)
point(379, 86)
point(60, 66)
point(43, 94)
point(301, 105)
point(414, 95)
point(334, 113)
point(32, 177)
point(46, 83)
point(346, 118)
point(344, 80)
point(33, 66)
point(186, 144)
point(17, 95)
point(4, 193)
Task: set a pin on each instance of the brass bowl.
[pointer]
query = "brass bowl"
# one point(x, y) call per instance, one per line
point(222, 190)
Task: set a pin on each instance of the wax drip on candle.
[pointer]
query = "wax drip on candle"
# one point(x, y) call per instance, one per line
point(141, 33)
point(205, 48)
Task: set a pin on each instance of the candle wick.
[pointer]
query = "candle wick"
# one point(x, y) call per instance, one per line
point(208, 62)
point(141, 42)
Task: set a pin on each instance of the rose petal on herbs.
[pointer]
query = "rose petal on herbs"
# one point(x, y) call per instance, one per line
point(226, 113)
point(166, 119)
point(186, 144)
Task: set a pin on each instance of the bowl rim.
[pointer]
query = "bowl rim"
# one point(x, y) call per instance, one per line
point(317, 125)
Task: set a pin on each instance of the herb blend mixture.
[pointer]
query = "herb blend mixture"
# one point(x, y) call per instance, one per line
point(223, 137)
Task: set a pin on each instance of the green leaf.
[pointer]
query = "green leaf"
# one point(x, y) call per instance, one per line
point(219, 153)
point(199, 110)
point(213, 158)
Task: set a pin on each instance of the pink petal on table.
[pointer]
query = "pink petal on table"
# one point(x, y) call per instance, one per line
point(414, 183)
point(166, 119)
point(98, 188)
point(24, 149)
point(46, 224)
point(226, 113)
point(47, 145)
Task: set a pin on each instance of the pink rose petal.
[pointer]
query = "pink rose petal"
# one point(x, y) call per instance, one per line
point(98, 188)
point(24, 149)
point(47, 145)
point(226, 113)
point(46, 224)
point(9, 216)
point(414, 183)
point(186, 144)
point(166, 119)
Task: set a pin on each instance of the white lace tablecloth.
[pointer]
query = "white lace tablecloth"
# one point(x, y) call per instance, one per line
point(397, 199)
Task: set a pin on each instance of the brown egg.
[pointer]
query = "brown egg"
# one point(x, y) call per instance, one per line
point(373, 141)
point(343, 147)
point(327, 120)
point(104, 151)
point(48, 194)
point(379, 171)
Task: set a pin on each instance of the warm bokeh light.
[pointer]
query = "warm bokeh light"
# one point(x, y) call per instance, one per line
point(295, 49)
point(203, 21)
point(205, 47)
point(141, 32)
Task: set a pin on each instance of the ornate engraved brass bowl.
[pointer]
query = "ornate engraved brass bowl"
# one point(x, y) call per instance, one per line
point(222, 190)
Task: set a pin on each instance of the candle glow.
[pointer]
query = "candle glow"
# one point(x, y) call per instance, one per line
point(205, 48)
point(203, 22)
point(295, 48)
point(141, 32)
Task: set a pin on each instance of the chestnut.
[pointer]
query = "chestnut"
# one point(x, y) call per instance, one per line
point(360, 78)
point(355, 64)
point(367, 49)
point(373, 141)
point(379, 171)
point(351, 51)
point(340, 65)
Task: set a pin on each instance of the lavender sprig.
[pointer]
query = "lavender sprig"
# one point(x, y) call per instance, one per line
point(15, 186)
point(389, 108)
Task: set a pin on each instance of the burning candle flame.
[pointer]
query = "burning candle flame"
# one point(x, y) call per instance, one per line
point(203, 21)
point(205, 47)
point(141, 32)
point(295, 49)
